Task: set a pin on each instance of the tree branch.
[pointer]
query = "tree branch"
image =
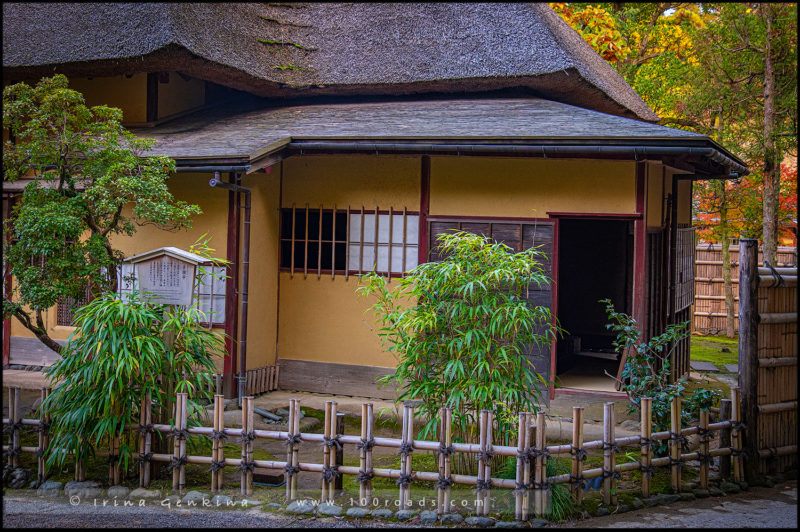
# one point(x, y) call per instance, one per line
point(39, 331)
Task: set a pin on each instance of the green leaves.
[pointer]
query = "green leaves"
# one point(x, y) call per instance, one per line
point(460, 328)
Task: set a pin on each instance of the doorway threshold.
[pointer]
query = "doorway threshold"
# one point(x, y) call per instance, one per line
point(593, 393)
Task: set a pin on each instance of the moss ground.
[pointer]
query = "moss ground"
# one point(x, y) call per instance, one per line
point(718, 350)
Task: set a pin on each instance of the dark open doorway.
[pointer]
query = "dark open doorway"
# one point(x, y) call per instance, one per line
point(595, 262)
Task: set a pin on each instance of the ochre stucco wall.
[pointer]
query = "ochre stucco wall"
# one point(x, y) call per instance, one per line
point(685, 201)
point(655, 194)
point(530, 188)
point(179, 95)
point(128, 94)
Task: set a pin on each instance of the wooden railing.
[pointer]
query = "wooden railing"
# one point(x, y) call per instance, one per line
point(531, 452)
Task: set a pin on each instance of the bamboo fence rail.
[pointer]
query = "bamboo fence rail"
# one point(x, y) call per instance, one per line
point(531, 485)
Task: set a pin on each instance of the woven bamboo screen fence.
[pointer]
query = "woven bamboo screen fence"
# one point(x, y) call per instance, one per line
point(709, 289)
point(530, 486)
point(768, 361)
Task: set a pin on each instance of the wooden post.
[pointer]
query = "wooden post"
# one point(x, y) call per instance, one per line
point(479, 509)
point(577, 448)
point(247, 445)
point(326, 451)
point(646, 424)
point(221, 447)
point(609, 456)
point(289, 449)
point(13, 418)
point(184, 416)
point(296, 446)
point(521, 458)
point(736, 435)
point(215, 444)
point(748, 351)
point(725, 440)
point(43, 438)
point(339, 450)
point(334, 454)
point(176, 443)
point(675, 443)
point(526, 478)
point(363, 497)
point(704, 446)
point(540, 475)
point(443, 492)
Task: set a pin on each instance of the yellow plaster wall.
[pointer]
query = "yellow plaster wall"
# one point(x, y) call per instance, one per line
point(354, 180)
point(655, 194)
point(517, 187)
point(129, 94)
point(325, 320)
point(684, 201)
point(262, 319)
point(179, 95)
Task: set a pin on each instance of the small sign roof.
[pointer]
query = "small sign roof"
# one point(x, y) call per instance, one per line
point(169, 251)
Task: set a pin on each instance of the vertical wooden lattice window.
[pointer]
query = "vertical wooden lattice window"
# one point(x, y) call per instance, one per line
point(684, 293)
point(66, 307)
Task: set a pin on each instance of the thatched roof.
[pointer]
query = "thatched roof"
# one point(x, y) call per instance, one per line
point(294, 50)
point(237, 132)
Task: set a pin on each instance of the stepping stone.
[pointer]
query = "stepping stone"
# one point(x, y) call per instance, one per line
point(452, 519)
point(701, 365)
point(428, 517)
point(483, 522)
point(301, 507)
point(382, 513)
point(118, 492)
point(733, 368)
point(357, 512)
point(50, 488)
point(405, 515)
point(329, 509)
point(141, 493)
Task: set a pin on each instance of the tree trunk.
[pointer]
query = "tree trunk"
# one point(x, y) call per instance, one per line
point(39, 331)
point(770, 168)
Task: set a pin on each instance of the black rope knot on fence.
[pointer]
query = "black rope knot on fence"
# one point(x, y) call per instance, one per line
point(483, 485)
point(247, 437)
point(705, 434)
point(647, 442)
point(180, 434)
point(292, 439)
point(611, 446)
point(366, 445)
point(404, 480)
point(611, 474)
point(544, 485)
point(536, 453)
point(175, 463)
point(577, 452)
point(444, 482)
point(364, 476)
point(42, 427)
point(331, 442)
point(486, 454)
point(405, 449)
point(577, 481)
point(218, 435)
point(773, 452)
point(144, 458)
point(291, 470)
point(739, 452)
point(330, 473)
point(14, 427)
point(524, 456)
point(678, 437)
point(216, 465)
point(521, 488)
point(676, 462)
point(446, 450)
point(13, 452)
point(648, 470)
point(247, 467)
point(704, 458)
point(39, 452)
point(145, 429)
point(738, 426)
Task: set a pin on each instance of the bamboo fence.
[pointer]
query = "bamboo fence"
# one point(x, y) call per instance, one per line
point(768, 362)
point(257, 380)
point(709, 290)
point(530, 486)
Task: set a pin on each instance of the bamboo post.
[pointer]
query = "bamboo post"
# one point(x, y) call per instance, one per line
point(333, 454)
point(736, 435)
point(540, 475)
point(182, 447)
point(487, 464)
point(44, 420)
point(326, 451)
point(247, 446)
point(362, 456)
point(405, 459)
point(443, 490)
point(480, 492)
point(368, 463)
point(215, 445)
point(675, 444)
point(338, 483)
point(725, 440)
point(176, 447)
point(13, 419)
point(748, 352)
point(296, 446)
point(609, 457)
point(704, 446)
point(577, 453)
point(521, 458)
point(221, 446)
point(529, 442)
point(289, 451)
point(647, 449)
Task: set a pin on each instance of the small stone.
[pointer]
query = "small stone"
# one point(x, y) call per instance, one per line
point(282, 412)
point(630, 424)
point(118, 492)
point(221, 500)
point(687, 496)
point(405, 515)
point(715, 492)
point(730, 487)
point(452, 519)
point(50, 488)
point(357, 512)
point(274, 505)
point(171, 500)
point(382, 513)
point(34, 484)
point(539, 523)
point(701, 493)
point(637, 503)
point(622, 508)
point(586, 515)
point(88, 489)
point(19, 478)
point(482, 522)
point(301, 507)
point(744, 485)
point(329, 509)
point(428, 517)
point(142, 493)
point(601, 511)
point(195, 497)
point(508, 524)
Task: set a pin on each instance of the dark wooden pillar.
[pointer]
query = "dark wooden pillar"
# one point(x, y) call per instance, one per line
point(424, 204)
point(640, 250)
point(748, 351)
point(231, 291)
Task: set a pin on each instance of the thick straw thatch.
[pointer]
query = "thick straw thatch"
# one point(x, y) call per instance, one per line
point(292, 50)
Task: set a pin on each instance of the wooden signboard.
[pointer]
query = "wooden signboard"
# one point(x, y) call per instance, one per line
point(167, 280)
